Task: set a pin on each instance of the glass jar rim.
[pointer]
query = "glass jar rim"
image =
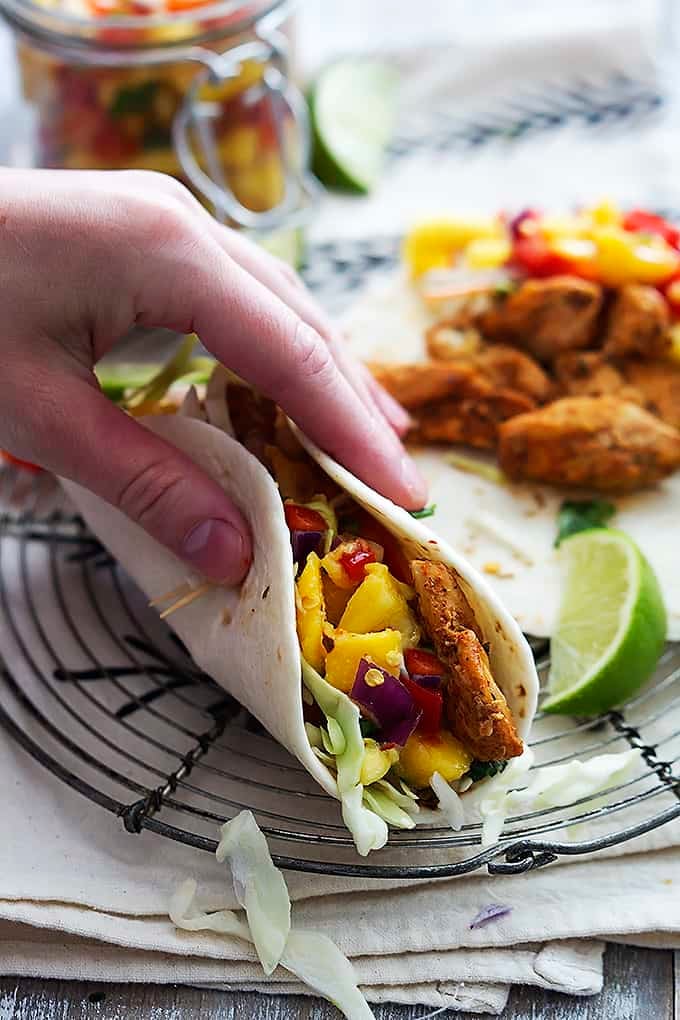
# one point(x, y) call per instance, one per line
point(228, 17)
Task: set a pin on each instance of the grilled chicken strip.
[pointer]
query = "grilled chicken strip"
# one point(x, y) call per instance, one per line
point(658, 382)
point(638, 323)
point(419, 383)
point(546, 317)
point(594, 442)
point(476, 709)
point(473, 421)
point(451, 401)
point(589, 374)
point(500, 364)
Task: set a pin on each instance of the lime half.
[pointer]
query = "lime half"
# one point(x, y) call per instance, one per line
point(611, 626)
point(353, 106)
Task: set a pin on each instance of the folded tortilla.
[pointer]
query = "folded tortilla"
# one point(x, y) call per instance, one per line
point(246, 637)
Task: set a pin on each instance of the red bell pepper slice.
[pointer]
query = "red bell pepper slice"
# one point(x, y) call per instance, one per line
point(533, 256)
point(301, 518)
point(354, 562)
point(393, 556)
point(420, 662)
point(430, 702)
point(25, 465)
point(641, 222)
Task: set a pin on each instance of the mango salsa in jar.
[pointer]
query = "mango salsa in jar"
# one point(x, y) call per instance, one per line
point(107, 78)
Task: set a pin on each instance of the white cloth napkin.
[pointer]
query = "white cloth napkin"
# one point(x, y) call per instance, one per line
point(80, 897)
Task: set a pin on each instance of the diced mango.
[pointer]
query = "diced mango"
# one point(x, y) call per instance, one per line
point(376, 763)
point(380, 603)
point(623, 257)
point(422, 756)
point(435, 244)
point(310, 613)
point(556, 226)
point(336, 600)
point(487, 252)
point(606, 213)
point(383, 649)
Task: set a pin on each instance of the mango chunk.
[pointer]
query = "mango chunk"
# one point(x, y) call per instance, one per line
point(310, 612)
point(383, 648)
point(422, 756)
point(377, 763)
point(336, 600)
point(380, 603)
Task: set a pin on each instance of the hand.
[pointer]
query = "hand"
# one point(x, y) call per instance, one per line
point(86, 256)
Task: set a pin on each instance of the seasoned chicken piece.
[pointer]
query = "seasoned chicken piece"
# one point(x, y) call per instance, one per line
point(511, 369)
point(472, 420)
point(659, 384)
point(638, 323)
point(425, 382)
point(546, 317)
point(252, 417)
point(476, 709)
point(589, 374)
point(452, 337)
point(500, 364)
point(595, 442)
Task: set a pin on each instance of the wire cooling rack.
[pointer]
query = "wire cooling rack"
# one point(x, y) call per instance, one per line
point(101, 693)
point(105, 697)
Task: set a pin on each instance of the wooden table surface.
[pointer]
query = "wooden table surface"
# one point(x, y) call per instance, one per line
point(639, 983)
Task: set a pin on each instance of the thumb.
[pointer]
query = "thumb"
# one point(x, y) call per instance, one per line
point(101, 448)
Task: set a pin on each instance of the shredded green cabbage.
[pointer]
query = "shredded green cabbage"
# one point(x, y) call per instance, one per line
point(474, 466)
point(186, 915)
point(387, 809)
point(314, 735)
point(553, 786)
point(310, 956)
point(258, 885)
point(318, 962)
point(156, 388)
point(369, 830)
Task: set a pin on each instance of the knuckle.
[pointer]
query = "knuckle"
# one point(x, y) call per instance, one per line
point(312, 360)
point(150, 492)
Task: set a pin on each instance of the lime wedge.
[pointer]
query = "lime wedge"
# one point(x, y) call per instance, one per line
point(353, 106)
point(611, 627)
point(288, 245)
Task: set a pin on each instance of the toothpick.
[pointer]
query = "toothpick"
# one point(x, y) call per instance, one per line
point(194, 594)
point(182, 589)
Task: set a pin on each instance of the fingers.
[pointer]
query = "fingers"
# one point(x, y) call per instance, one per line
point(84, 437)
point(286, 284)
point(399, 419)
point(253, 332)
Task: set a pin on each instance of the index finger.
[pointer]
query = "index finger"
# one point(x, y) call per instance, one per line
point(256, 334)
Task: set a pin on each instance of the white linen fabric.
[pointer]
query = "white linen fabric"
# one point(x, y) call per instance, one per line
point(82, 898)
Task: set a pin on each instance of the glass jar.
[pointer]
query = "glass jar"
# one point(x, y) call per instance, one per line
point(191, 88)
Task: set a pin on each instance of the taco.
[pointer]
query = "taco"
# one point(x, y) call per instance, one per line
point(373, 652)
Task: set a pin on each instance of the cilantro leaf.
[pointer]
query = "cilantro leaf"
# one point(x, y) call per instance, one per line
point(133, 99)
point(581, 515)
point(427, 511)
point(481, 769)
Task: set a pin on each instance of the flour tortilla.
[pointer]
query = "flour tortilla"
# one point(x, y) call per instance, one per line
point(245, 637)
point(485, 520)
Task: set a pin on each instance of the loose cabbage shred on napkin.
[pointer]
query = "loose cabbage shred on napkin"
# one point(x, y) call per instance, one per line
point(261, 890)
